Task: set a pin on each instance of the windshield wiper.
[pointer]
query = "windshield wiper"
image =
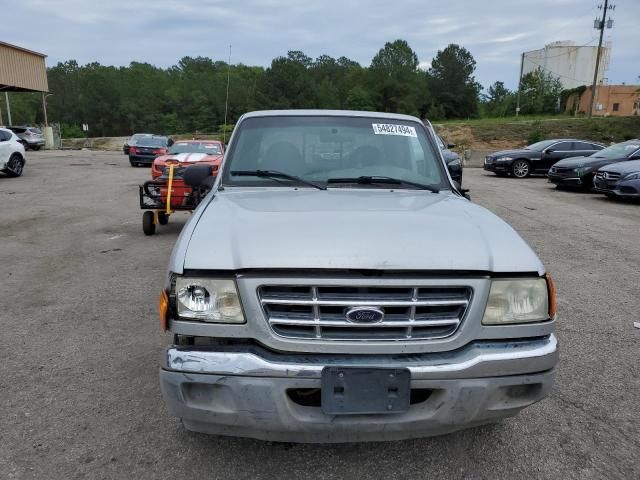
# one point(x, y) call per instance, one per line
point(275, 174)
point(370, 180)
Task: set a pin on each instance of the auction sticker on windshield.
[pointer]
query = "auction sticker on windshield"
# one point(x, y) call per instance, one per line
point(391, 129)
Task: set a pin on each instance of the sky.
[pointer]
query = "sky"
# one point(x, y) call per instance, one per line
point(160, 32)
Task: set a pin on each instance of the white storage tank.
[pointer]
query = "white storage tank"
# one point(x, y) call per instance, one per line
point(572, 64)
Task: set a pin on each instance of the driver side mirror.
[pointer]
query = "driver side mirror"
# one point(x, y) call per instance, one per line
point(548, 150)
point(463, 191)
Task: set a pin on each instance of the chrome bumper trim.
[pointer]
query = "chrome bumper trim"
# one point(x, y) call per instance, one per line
point(479, 359)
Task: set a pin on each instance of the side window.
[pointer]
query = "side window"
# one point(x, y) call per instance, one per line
point(596, 146)
point(4, 135)
point(582, 146)
point(563, 147)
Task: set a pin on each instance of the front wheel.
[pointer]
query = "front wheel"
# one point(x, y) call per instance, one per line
point(148, 224)
point(15, 166)
point(35, 148)
point(520, 169)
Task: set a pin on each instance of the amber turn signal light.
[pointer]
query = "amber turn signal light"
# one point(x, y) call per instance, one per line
point(552, 296)
point(163, 308)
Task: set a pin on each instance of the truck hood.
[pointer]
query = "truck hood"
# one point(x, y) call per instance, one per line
point(376, 229)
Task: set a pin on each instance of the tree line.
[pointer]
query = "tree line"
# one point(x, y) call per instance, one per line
point(190, 96)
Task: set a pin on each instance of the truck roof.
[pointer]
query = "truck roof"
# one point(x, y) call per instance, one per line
point(330, 113)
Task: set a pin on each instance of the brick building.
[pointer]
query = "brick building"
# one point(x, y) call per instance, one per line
point(618, 100)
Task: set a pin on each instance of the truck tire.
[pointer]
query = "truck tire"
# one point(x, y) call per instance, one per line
point(15, 166)
point(163, 218)
point(148, 225)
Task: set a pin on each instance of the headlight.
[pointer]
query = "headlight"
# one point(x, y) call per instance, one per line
point(504, 159)
point(517, 301)
point(209, 300)
point(633, 176)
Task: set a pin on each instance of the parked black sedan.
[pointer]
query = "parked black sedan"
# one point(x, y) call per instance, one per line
point(131, 142)
point(579, 171)
point(537, 157)
point(620, 180)
point(451, 158)
point(147, 149)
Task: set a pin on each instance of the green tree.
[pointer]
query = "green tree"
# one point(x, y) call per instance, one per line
point(499, 101)
point(394, 80)
point(539, 92)
point(452, 84)
point(287, 83)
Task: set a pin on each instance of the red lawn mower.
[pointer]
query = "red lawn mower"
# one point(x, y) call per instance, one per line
point(171, 192)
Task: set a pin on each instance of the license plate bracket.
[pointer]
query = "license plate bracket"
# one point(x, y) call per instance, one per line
point(355, 390)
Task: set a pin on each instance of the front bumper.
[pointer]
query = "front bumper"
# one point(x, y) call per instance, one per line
point(618, 188)
point(497, 167)
point(242, 391)
point(146, 159)
point(566, 180)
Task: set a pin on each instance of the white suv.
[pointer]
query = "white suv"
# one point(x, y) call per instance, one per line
point(11, 153)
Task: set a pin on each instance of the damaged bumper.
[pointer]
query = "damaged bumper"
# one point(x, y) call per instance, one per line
point(253, 392)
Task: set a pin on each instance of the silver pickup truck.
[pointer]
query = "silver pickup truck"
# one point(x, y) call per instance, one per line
point(336, 285)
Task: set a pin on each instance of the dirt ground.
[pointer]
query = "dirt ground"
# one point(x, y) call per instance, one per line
point(79, 391)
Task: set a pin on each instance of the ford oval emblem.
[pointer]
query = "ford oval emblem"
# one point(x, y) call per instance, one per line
point(365, 315)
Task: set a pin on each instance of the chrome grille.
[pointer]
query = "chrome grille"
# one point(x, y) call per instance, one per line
point(561, 170)
point(319, 312)
point(608, 175)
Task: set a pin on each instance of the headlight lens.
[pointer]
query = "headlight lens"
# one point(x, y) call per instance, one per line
point(517, 301)
point(504, 159)
point(209, 300)
point(633, 176)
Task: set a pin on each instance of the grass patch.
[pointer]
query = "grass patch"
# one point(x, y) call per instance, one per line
point(511, 132)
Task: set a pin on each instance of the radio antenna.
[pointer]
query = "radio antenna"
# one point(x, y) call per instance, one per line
point(226, 102)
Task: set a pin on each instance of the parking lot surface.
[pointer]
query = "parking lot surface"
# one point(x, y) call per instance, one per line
point(81, 342)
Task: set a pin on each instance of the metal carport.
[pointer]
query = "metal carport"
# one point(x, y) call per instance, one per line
point(23, 70)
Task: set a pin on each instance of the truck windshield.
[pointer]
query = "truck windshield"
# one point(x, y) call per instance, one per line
point(322, 148)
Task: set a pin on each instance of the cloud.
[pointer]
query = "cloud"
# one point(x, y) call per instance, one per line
point(162, 31)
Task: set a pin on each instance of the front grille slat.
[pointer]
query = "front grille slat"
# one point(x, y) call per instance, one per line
point(318, 312)
point(407, 323)
point(350, 303)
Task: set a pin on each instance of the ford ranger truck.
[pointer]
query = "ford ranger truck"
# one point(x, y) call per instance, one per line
point(336, 285)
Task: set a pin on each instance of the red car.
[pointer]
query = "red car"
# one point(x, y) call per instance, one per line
point(187, 152)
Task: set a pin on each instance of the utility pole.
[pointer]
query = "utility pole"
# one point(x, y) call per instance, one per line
point(601, 25)
point(44, 109)
point(519, 85)
point(6, 97)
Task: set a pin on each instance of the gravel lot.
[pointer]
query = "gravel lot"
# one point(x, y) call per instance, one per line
point(79, 391)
